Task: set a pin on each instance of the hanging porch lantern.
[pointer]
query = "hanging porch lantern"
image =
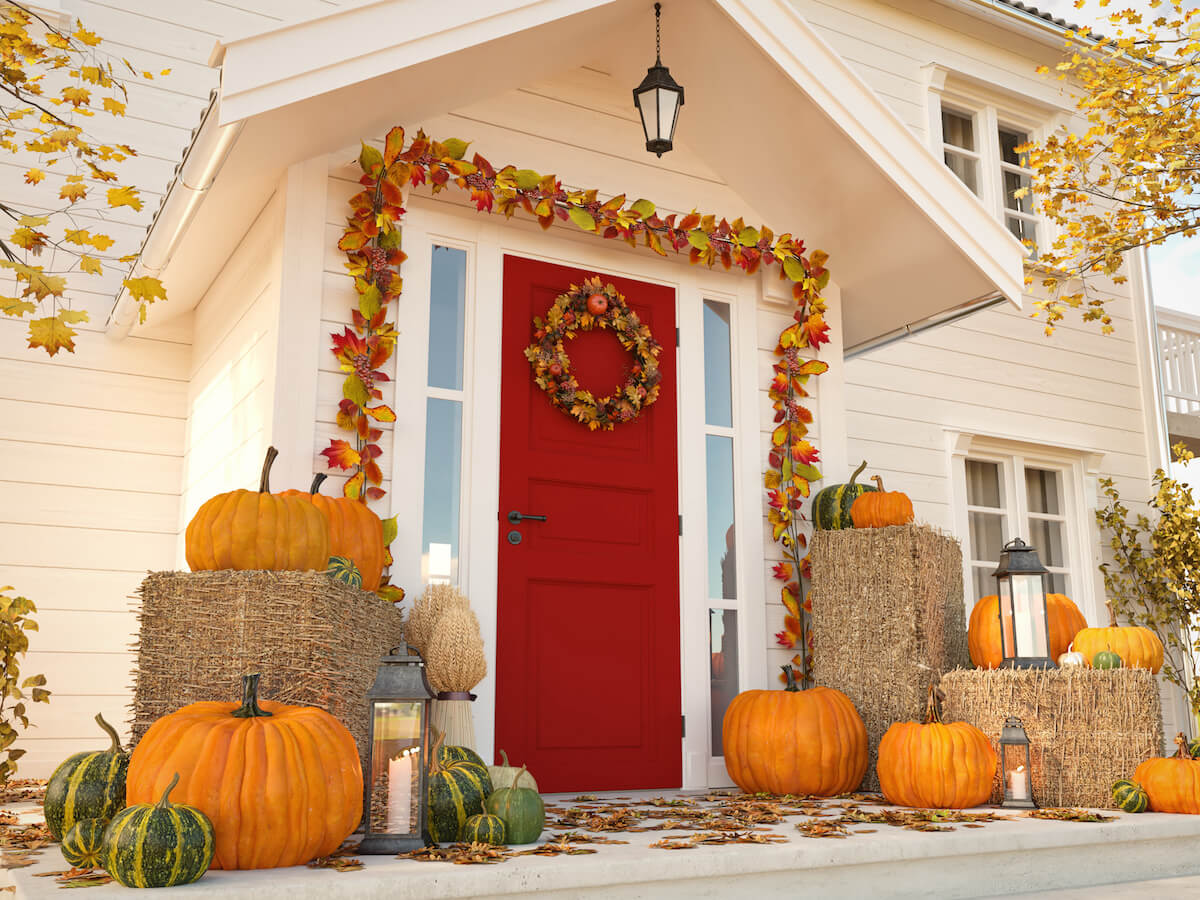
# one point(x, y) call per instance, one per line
point(1016, 765)
point(397, 764)
point(658, 97)
point(1024, 624)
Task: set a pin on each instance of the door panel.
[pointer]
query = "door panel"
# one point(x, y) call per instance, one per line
point(587, 657)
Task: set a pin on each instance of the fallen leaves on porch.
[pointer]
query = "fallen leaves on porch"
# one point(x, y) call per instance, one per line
point(23, 790)
point(337, 863)
point(555, 848)
point(1068, 815)
point(77, 878)
point(18, 859)
point(460, 854)
point(25, 837)
point(822, 829)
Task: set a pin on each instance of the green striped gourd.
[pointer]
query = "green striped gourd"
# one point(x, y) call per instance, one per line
point(448, 755)
point(160, 844)
point(457, 789)
point(87, 786)
point(522, 810)
point(343, 569)
point(1130, 796)
point(83, 844)
point(484, 829)
point(831, 507)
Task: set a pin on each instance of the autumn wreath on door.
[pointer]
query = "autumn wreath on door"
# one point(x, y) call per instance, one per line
point(583, 308)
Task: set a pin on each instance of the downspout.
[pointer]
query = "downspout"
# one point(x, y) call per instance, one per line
point(995, 298)
point(195, 174)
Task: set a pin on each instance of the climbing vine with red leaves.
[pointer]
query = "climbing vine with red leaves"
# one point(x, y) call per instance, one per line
point(373, 256)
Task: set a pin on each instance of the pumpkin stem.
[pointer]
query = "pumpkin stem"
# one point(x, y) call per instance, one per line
point(435, 763)
point(857, 472)
point(790, 674)
point(315, 487)
point(504, 756)
point(112, 732)
point(1112, 614)
point(932, 713)
point(250, 708)
point(264, 480)
point(164, 803)
point(1184, 752)
point(878, 479)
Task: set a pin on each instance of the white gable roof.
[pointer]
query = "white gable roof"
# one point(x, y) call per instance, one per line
point(770, 107)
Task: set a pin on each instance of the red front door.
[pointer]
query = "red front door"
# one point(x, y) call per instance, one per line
point(587, 655)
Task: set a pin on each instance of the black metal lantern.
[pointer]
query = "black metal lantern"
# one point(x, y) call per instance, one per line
point(1016, 765)
point(396, 780)
point(658, 97)
point(1024, 624)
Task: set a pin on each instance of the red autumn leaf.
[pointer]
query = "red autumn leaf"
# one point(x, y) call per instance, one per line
point(783, 571)
point(353, 239)
point(393, 145)
point(372, 451)
point(340, 454)
point(783, 639)
point(373, 472)
point(380, 413)
point(353, 488)
point(375, 493)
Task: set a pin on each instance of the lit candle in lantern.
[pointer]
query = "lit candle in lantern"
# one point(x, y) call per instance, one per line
point(1018, 783)
point(399, 793)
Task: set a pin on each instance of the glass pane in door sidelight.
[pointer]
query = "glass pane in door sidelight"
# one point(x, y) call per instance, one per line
point(718, 397)
point(723, 669)
point(443, 470)
point(447, 313)
point(722, 554)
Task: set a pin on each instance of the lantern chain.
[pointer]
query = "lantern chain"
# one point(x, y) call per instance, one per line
point(658, 34)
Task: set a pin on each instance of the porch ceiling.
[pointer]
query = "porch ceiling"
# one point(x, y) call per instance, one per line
point(770, 108)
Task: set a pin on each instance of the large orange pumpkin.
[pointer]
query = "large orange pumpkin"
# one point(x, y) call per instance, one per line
point(794, 742)
point(354, 531)
point(257, 530)
point(983, 631)
point(281, 784)
point(880, 508)
point(1172, 783)
point(936, 766)
point(1139, 648)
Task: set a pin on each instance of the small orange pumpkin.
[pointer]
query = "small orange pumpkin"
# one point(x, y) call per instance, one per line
point(880, 508)
point(936, 766)
point(983, 631)
point(1172, 783)
point(281, 784)
point(794, 742)
point(1138, 647)
point(354, 531)
point(256, 530)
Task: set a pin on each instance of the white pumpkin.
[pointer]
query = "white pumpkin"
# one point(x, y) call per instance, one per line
point(1071, 658)
point(505, 776)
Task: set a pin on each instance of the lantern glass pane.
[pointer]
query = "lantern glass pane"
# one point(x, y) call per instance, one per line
point(667, 103)
point(1014, 772)
point(648, 105)
point(396, 766)
point(1007, 628)
point(723, 670)
point(1029, 616)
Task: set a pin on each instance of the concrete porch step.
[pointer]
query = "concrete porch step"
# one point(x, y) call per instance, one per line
point(1002, 858)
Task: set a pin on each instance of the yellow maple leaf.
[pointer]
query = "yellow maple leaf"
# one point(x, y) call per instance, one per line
point(11, 306)
point(116, 107)
point(91, 265)
point(84, 36)
point(100, 241)
point(52, 334)
point(76, 96)
point(29, 239)
point(42, 285)
point(79, 236)
point(145, 290)
point(74, 316)
point(73, 191)
point(34, 176)
point(124, 196)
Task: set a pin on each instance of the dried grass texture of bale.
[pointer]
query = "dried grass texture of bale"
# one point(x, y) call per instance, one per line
point(316, 641)
point(455, 661)
point(427, 610)
point(888, 620)
point(1087, 727)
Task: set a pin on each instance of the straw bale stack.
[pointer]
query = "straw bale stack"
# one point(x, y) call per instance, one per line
point(888, 620)
point(316, 641)
point(1087, 727)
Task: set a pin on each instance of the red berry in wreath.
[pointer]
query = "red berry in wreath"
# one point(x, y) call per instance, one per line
point(597, 304)
point(555, 369)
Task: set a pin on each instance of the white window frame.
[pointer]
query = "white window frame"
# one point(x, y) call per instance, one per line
point(1079, 474)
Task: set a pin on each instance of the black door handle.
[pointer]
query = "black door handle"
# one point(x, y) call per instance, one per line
point(516, 517)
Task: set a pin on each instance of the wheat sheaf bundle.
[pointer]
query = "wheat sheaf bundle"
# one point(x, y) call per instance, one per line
point(436, 600)
point(455, 660)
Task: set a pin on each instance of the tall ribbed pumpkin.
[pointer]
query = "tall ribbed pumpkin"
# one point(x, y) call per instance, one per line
point(281, 784)
point(983, 631)
point(936, 766)
point(794, 742)
point(354, 531)
point(257, 530)
point(880, 508)
point(1172, 783)
point(1138, 647)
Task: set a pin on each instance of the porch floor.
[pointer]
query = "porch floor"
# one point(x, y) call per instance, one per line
point(1014, 857)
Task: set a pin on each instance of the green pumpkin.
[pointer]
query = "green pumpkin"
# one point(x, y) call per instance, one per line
point(457, 789)
point(447, 755)
point(831, 507)
point(87, 786)
point(83, 844)
point(343, 569)
point(484, 829)
point(522, 810)
point(1130, 796)
point(160, 844)
point(1106, 659)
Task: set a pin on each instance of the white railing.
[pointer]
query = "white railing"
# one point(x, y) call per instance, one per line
point(1179, 355)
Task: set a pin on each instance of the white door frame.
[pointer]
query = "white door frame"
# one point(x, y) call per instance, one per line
point(487, 239)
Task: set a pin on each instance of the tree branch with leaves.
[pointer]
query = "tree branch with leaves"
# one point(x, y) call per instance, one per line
point(15, 622)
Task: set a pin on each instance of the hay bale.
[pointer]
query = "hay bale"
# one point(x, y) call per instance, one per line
point(888, 620)
point(1087, 727)
point(316, 641)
